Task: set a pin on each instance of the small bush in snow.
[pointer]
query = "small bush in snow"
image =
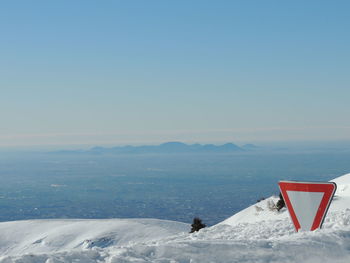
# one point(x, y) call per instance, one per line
point(280, 203)
point(197, 224)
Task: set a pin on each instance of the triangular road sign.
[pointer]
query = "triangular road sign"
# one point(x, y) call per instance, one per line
point(307, 202)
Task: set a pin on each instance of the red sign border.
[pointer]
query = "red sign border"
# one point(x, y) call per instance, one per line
point(328, 188)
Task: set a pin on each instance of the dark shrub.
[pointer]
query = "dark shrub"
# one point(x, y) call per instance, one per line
point(197, 224)
point(280, 204)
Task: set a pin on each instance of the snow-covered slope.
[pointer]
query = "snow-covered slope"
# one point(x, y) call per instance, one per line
point(260, 212)
point(39, 236)
point(256, 234)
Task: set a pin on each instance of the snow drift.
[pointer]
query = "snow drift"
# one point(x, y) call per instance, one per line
point(256, 234)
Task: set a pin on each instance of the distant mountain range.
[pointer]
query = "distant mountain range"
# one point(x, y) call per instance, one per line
point(168, 147)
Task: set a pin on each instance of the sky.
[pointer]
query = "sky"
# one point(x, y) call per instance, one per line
point(143, 72)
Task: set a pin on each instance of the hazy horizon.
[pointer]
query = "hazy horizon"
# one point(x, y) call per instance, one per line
point(291, 145)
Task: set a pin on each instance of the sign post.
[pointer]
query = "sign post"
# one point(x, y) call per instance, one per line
point(307, 202)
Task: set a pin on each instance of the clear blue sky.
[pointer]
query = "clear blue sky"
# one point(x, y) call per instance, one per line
point(118, 72)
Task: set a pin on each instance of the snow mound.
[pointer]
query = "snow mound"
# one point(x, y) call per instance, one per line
point(343, 186)
point(262, 211)
point(256, 234)
point(52, 236)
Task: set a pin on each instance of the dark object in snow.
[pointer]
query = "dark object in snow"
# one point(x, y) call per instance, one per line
point(280, 204)
point(197, 224)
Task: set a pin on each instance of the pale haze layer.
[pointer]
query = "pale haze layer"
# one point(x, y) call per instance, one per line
point(118, 72)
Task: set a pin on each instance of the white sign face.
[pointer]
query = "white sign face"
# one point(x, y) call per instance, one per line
point(305, 205)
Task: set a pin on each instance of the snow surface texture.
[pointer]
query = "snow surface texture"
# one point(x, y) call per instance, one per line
point(256, 234)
